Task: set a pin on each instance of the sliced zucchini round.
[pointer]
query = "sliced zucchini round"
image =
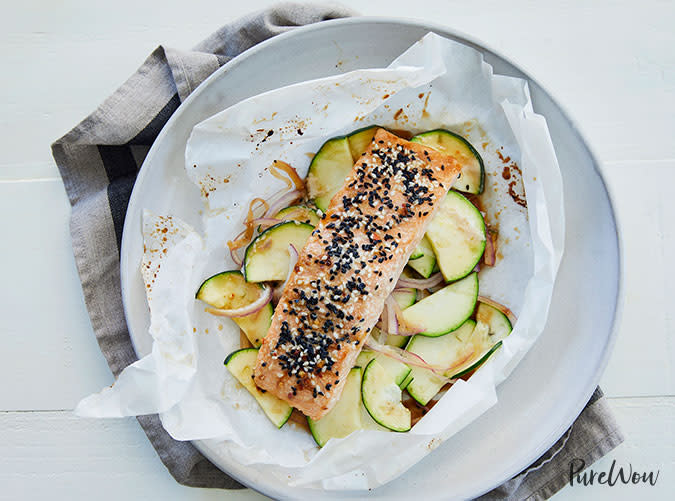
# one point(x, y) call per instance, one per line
point(241, 364)
point(475, 365)
point(445, 310)
point(423, 258)
point(298, 213)
point(398, 341)
point(408, 379)
point(328, 171)
point(457, 235)
point(345, 417)
point(441, 351)
point(359, 140)
point(382, 398)
point(404, 299)
point(498, 323)
point(229, 290)
point(333, 162)
point(471, 178)
point(492, 326)
point(397, 369)
point(267, 256)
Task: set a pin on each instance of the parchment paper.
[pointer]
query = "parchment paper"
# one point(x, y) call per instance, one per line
point(437, 83)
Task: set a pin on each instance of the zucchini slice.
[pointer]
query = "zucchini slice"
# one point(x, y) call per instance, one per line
point(472, 177)
point(333, 162)
point(404, 299)
point(408, 379)
point(457, 235)
point(475, 365)
point(267, 256)
point(345, 417)
point(498, 323)
point(445, 310)
point(359, 141)
point(397, 369)
point(229, 290)
point(328, 171)
point(367, 421)
point(398, 341)
point(240, 363)
point(423, 259)
point(382, 398)
point(298, 213)
point(492, 326)
point(441, 351)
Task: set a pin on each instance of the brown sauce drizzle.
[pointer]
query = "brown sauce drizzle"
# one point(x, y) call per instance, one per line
point(508, 171)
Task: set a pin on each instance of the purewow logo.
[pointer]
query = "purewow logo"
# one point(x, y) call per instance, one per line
point(620, 475)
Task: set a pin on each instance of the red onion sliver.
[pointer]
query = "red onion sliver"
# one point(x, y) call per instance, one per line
point(254, 307)
point(403, 328)
point(392, 320)
point(283, 201)
point(293, 259)
point(433, 280)
point(490, 254)
point(509, 314)
point(406, 357)
point(265, 222)
point(235, 257)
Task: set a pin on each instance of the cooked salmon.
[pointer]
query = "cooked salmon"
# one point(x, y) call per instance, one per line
point(347, 268)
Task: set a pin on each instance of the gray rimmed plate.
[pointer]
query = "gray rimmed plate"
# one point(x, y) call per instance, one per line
point(546, 392)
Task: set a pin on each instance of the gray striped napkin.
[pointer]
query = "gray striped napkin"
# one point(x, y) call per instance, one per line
point(99, 160)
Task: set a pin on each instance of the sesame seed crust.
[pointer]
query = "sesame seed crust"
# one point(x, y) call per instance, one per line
point(347, 268)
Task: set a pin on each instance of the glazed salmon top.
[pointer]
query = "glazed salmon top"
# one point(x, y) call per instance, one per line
point(347, 268)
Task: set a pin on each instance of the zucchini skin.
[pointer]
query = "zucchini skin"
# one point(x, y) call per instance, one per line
point(211, 277)
point(268, 234)
point(237, 352)
point(474, 152)
point(478, 362)
point(471, 265)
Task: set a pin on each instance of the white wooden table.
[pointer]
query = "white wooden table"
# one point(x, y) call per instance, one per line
point(611, 65)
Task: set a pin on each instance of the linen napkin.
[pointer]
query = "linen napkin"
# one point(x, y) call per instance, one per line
point(99, 160)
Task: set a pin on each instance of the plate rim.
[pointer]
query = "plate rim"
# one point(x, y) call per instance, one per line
point(484, 48)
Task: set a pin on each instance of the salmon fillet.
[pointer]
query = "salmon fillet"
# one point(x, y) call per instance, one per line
point(347, 268)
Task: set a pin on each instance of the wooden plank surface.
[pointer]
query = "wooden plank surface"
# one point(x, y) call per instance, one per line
point(54, 455)
point(611, 65)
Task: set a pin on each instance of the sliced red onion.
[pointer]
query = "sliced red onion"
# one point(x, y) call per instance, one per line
point(382, 323)
point(283, 201)
point(235, 257)
point(403, 328)
point(426, 283)
point(265, 222)
point(490, 254)
point(509, 314)
point(250, 309)
point(408, 358)
point(293, 259)
point(392, 321)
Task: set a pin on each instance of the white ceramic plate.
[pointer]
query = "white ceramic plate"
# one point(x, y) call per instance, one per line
point(549, 388)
